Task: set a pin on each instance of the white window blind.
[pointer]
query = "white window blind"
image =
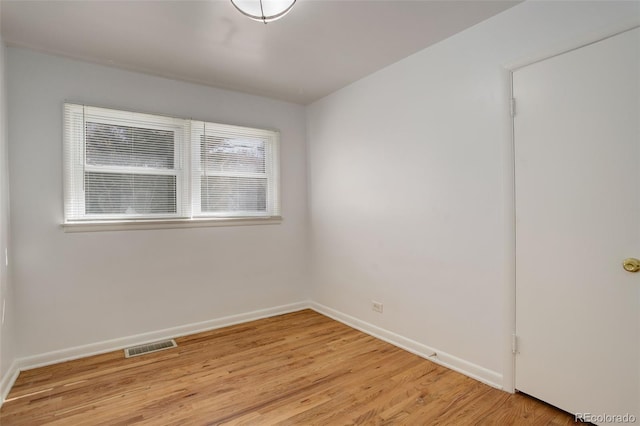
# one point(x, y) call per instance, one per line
point(123, 166)
point(234, 171)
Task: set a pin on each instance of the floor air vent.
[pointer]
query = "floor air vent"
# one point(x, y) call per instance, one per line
point(149, 347)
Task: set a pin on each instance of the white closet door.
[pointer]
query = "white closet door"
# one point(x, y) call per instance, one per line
point(577, 145)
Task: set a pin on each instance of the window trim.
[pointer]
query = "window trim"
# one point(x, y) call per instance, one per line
point(188, 214)
point(142, 224)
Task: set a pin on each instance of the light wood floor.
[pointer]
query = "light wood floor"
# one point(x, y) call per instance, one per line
point(299, 369)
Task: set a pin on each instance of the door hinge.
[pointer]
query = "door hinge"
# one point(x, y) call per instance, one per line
point(514, 344)
point(512, 106)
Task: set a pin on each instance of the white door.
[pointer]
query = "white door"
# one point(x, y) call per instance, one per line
point(577, 149)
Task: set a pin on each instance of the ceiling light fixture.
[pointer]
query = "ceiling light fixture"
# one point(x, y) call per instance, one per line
point(264, 10)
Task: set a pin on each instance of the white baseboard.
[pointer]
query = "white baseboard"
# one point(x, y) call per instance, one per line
point(7, 381)
point(467, 368)
point(40, 360)
point(474, 371)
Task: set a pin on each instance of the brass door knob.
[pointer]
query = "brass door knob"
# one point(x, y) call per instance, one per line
point(631, 265)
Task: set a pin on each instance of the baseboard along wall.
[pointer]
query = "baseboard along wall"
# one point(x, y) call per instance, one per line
point(489, 377)
point(467, 368)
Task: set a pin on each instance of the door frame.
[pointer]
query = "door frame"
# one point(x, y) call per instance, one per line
point(509, 315)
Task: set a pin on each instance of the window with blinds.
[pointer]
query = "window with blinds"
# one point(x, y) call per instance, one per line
point(122, 166)
point(234, 171)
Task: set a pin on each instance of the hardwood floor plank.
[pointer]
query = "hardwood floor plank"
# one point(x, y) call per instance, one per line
point(296, 369)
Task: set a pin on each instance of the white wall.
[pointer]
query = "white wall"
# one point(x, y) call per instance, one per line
point(411, 187)
point(7, 326)
point(80, 288)
point(410, 199)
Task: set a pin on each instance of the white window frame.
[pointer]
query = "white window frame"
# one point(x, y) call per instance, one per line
point(186, 145)
point(271, 175)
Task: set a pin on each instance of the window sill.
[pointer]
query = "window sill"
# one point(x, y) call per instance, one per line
point(94, 226)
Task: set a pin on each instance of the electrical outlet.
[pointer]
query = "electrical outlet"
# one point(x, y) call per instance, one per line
point(376, 306)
